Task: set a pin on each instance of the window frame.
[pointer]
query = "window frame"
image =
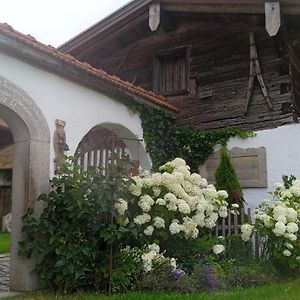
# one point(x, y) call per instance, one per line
point(172, 52)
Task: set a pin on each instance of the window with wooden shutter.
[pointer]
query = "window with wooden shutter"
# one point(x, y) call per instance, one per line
point(171, 70)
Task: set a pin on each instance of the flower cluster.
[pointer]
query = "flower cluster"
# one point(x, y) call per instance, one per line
point(173, 201)
point(278, 219)
point(152, 256)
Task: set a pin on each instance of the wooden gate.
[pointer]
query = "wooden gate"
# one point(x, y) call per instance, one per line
point(100, 148)
point(231, 225)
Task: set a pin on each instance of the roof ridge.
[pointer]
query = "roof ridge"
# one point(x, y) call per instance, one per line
point(66, 57)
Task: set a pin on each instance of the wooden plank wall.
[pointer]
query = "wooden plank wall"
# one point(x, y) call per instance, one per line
point(219, 73)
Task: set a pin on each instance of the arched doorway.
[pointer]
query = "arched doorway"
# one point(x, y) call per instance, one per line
point(30, 170)
point(97, 146)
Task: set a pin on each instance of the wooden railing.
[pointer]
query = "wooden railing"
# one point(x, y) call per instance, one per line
point(231, 225)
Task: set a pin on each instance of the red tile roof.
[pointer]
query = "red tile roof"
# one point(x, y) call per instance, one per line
point(69, 59)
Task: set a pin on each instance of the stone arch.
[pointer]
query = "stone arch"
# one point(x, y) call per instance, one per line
point(30, 170)
point(133, 144)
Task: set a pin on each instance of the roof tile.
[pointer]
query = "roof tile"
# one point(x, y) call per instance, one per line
point(101, 74)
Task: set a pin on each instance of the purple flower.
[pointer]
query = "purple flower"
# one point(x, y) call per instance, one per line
point(177, 274)
point(210, 278)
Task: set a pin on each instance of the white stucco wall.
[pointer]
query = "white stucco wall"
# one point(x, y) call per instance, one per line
point(81, 107)
point(283, 157)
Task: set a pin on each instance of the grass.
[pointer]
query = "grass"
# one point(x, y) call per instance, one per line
point(282, 291)
point(4, 242)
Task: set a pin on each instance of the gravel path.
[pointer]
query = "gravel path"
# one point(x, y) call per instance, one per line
point(4, 272)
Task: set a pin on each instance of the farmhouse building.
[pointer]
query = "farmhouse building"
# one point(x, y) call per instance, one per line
point(210, 63)
point(222, 63)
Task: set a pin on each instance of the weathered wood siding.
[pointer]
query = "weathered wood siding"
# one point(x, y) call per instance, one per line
point(219, 72)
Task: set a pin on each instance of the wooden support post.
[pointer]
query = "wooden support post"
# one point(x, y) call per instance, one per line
point(272, 13)
point(154, 16)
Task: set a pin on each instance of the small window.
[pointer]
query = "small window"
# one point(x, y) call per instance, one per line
point(171, 70)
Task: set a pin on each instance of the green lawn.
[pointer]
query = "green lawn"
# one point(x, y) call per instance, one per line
point(283, 291)
point(4, 242)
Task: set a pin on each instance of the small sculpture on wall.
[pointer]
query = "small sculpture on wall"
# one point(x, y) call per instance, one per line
point(59, 144)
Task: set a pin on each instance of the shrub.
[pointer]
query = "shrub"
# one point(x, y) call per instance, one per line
point(226, 179)
point(173, 203)
point(277, 222)
point(75, 229)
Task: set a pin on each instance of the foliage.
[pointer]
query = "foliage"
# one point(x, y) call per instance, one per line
point(75, 228)
point(278, 223)
point(166, 141)
point(226, 178)
point(5, 242)
point(288, 180)
point(245, 276)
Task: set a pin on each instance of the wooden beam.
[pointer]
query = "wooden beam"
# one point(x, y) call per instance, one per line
point(273, 18)
point(154, 16)
point(228, 7)
point(98, 42)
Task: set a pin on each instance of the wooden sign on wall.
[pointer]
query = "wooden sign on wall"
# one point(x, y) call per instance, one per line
point(250, 165)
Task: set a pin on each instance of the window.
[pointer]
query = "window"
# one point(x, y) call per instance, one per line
point(171, 71)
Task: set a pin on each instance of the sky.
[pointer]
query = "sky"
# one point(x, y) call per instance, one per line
point(56, 21)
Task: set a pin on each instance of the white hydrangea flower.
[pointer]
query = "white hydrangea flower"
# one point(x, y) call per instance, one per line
point(156, 191)
point(183, 207)
point(149, 230)
point(145, 203)
point(292, 227)
point(156, 179)
point(223, 212)
point(178, 177)
point(195, 179)
point(279, 229)
point(184, 170)
point(246, 230)
point(279, 186)
point(286, 194)
point(199, 219)
point(159, 222)
point(190, 227)
point(142, 219)
point(147, 260)
point(218, 249)
point(210, 222)
point(171, 207)
point(291, 214)
point(292, 237)
point(178, 162)
point(175, 227)
point(167, 179)
point(171, 198)
point(223, 194)
point(121, 206)
point(203, 183)
point(289, 246)
point(173, 263)
point(161, 201)
point(287, 253)
point(154, 247)
point(135, 190)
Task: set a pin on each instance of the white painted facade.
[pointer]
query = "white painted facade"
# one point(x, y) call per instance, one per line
point(283, 157)
point(79, 106)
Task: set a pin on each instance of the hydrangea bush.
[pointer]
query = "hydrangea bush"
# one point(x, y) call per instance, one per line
point(278, 222)
point(172, 203)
